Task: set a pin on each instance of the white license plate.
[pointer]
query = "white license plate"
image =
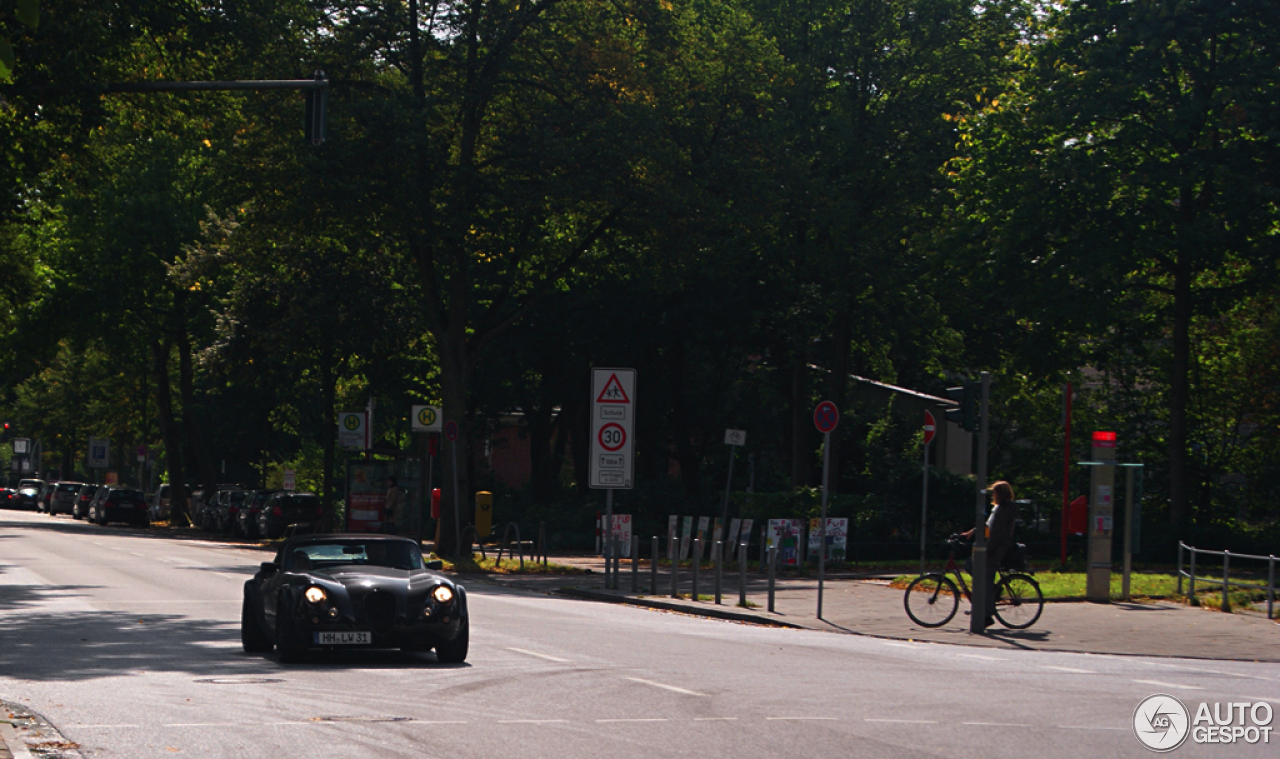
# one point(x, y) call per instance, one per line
point(342, 639)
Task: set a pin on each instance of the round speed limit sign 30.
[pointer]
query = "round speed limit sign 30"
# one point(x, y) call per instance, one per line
point(612, 437)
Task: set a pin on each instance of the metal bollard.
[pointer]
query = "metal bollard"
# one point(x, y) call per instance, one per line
point(1191, 584)
point(742, 567)
point(1271, 583)
point(653, 567)
point(635, 563)
point(675, 567)
point(718, 549)
point(1226, 584)
point(697, 560)
point(773, 574)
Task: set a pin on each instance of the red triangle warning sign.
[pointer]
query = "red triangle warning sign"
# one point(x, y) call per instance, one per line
point(613, 392)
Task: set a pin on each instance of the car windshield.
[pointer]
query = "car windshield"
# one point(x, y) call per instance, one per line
point(68, 487)
point(396, 555)
point(125, 495)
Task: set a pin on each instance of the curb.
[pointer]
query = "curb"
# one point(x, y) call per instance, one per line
point(45, 740)
point(711, 611)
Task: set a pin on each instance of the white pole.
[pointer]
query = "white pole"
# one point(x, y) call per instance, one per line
point(924, 506)
point(822, 524)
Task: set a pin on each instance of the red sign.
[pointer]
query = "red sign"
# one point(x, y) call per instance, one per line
point(826, 416)
point(451, 430)
point(1104, 440)
point(612, 436)
point(930, 427)
point(613, 392)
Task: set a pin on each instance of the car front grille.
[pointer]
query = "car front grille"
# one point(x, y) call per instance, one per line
point(380, 607)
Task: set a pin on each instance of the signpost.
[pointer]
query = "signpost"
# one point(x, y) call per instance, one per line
point(426, 420)
point(611, 461)
point(290, 480)
point(930, 430)
point(734, 439)
point(351, 425)
point(99, 452)
point(825, 417)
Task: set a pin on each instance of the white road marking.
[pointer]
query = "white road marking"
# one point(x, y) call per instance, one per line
point(535, 653)
point(1162, 684)
point(904, 721)
point(528, 721)
point(1089, 727)
point(664, 686)
point(980, 656)
point(996, 724)
point(897, 645)
point(1069, 669)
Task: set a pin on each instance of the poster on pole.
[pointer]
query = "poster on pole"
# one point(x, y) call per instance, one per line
point(731, 539)
point(744, 539)
point(367, 486)
point(704, 524)
point(837, 538)
point(622, 533)
point(784, 535)
point(613, 413)
point(673, 524)
point(686, 537)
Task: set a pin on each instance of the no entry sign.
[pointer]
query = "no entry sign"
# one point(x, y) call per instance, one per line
point(930, 427)
point(613, 413)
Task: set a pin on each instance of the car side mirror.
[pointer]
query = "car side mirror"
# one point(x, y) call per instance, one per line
point(268, 567)
point(435, 564)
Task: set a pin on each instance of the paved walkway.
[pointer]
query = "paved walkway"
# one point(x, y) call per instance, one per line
point(868, 606)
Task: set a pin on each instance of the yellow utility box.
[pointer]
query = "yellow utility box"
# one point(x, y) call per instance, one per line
point(484, 514)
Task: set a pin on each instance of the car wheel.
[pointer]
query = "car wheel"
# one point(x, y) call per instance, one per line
point(252, 636)
point(288, 643)
point(455, 651)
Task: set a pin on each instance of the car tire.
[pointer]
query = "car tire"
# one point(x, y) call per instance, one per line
point(288, 643)
point(252, 637)
point(455, 651)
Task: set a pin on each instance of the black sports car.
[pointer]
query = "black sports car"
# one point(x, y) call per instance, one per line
point(353, 591)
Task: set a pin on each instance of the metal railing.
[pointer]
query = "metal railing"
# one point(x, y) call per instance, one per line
point(1226, 584)
point(507, 545)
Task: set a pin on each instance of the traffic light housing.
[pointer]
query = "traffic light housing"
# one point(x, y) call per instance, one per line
point(317, 105)
point(966, 413)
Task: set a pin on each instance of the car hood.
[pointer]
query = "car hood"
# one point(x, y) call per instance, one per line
point(379, 577)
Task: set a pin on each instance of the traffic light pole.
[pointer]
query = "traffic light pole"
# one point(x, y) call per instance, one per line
point(981, 585)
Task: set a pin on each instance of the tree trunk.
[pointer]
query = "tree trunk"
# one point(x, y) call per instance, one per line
point(457, 365)
point(179, 509)
point(328, 407)
point(1179, 397)
point(801, 422)
point(837, 381)
point(196, 442)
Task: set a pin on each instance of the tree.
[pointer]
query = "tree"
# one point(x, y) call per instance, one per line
point(1126, 180)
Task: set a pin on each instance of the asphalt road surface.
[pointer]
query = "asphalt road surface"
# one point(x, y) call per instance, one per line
point(128, 642)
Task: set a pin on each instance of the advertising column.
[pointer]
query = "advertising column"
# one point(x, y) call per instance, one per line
point(1101, 517)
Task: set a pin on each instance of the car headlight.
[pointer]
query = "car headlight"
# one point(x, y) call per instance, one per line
point(442, 594)
point(315, 594)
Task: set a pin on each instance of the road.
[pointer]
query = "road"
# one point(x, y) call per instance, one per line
point(128, 642)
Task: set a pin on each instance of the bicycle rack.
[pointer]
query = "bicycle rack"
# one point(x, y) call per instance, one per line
point(505, 544)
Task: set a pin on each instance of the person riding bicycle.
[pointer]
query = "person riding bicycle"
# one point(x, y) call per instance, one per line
point(999, 539)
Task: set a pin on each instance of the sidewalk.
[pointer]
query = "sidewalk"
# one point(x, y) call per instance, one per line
point(868, 606)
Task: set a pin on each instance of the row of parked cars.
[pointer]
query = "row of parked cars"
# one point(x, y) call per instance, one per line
point(226, 509)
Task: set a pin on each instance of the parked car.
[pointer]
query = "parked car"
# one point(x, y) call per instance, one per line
point(83, 498)
point(160, 503)
point(223, 513)
point(247, 519)
point(63, 498)
point(202, 499)
point(120, 505)
point(288, 508)
point(8, 498)
point(353, 591)
point(46, 494)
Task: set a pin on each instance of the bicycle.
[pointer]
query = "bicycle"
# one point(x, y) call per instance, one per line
point(931, 599)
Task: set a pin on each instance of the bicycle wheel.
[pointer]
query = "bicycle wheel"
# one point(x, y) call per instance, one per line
point(1018, 601)
point(931, 600)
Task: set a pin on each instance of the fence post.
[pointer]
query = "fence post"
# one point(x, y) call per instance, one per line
point(635, 563)
point(773, 573)
point(718, 548)
point(1179, 567)
point(653, 567)
point(697, 560)
point(742, 583)
point(1226, 583)
point(1271, 583)
point(674, 548)
point(1191, 580)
